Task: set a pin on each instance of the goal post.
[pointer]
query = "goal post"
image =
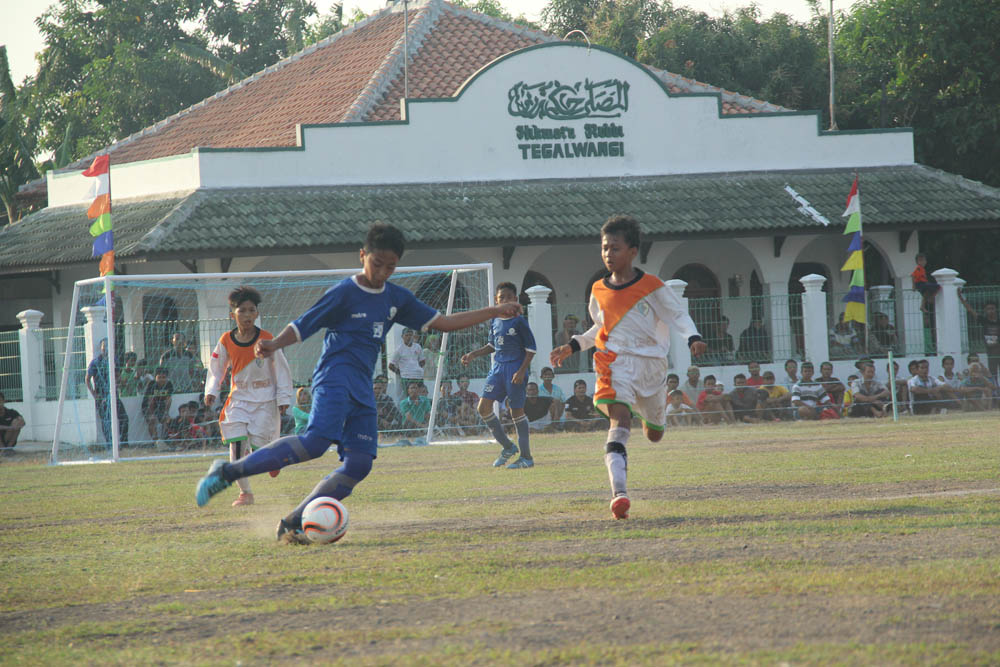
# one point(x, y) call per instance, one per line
point(171, 323)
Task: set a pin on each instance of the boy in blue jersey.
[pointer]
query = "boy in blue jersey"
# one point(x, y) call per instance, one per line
point(514, 345)
point(357, 314)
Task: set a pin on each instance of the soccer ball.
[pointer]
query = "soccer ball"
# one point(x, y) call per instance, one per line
point(324, 520)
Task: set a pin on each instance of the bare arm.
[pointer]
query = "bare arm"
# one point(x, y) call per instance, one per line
point(522, 372)
point(475, 354)
point(265, 348)
point(470, 318)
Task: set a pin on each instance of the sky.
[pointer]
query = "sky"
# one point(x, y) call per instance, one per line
point(19, 34)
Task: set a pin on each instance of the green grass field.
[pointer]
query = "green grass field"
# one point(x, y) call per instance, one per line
point(856, 542)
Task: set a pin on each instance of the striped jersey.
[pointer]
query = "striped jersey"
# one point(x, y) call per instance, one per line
point(636, 318)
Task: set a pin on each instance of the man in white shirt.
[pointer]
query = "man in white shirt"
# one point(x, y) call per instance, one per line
point(926, 391)
point(408, 360)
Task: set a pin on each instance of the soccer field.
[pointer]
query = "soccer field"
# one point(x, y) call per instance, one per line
point(857, 542)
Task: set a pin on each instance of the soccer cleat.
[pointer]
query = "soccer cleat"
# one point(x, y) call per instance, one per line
point(274, 473)
point(212, 483)
point(504, 457)
point(522, 463)
point(291, 534)
point(619, 507)
point(245, 498)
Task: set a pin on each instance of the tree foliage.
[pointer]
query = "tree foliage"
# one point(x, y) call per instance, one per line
point(16, 141)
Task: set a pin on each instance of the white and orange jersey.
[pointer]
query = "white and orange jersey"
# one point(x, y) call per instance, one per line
point(635, 318)
point(253, 380)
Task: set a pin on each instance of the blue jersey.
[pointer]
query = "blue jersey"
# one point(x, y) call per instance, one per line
point(357, 320)
point(510, 339)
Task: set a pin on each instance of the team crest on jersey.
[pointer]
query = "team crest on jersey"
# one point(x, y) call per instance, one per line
point(377, 329)
point(392, 312)
point(642, 307)
point(511, 332)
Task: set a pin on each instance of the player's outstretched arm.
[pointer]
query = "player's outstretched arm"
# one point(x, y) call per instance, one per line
point(470, 318)
point(265, 348)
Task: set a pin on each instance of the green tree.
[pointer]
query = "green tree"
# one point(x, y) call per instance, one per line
point(258, 33)
point(16, 142)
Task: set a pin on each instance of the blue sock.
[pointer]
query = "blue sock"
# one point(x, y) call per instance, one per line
point(521, 424)
point(493, 423)
point(278, 454)
point(337, 484)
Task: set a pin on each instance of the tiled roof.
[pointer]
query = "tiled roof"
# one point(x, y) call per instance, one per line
point(357, 75)
point(247, 222)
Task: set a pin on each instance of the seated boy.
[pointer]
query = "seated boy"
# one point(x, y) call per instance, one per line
point(775, 399)
point(416, 411)
point(679, 413)
point(156, 402)
point(580, 414)
point(744, 400)
point(713, 404)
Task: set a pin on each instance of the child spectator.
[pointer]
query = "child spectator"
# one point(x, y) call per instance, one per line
point(156, 402)
point(300, 411)
point(744, 400)
point(467, 417)
point(926, 391)
point(537, 408)
point(809, 396)
point(448, 406)
point(416, 411)
point(833, 386)
point(755, 379)
point(260, 390)
point(634, 315)
point(869, 397)
point(977, 391)
point(514, 345)
point(552, 390)
point(679, 413)
point(923, 283)
point(713, 404)
point(388, 416)
point(775, 399)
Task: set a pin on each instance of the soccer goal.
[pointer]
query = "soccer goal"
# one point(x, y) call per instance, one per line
point(159, 333)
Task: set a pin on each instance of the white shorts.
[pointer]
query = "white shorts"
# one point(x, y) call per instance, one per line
point(260, 423)
point(639, 382)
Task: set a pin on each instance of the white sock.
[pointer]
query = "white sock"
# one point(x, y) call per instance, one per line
point(616, 463)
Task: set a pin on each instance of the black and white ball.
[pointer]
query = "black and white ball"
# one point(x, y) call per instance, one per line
point(324, 520)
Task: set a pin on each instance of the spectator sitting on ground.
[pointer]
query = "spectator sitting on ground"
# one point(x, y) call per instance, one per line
point(976, 391)
point(809, 397)
point(755, 343)
point(416, 411)
point(791, 374)
point(468, 416)
point(389, 418)
point(693, 386)
point(679, 413)
point(537, 408)
point(580, 414)
point(926, 391)
point(775, 399)
point(11, 423)
point(745, 400)
point(869, 397)
point(549, 388)
point(713, 404)
point(902, 388)
point(448, 405)
point(833, 385)
point(754, 379)
point(848, 395)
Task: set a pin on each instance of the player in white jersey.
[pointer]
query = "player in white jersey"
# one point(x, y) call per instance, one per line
point(633, 313)
point(260, 389)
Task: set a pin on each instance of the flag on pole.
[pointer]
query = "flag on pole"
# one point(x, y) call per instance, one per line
point(100, 214)
point(855, 298)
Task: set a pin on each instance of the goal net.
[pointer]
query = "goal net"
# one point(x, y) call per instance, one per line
point(159, 333)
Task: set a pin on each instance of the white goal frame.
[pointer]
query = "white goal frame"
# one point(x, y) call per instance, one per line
point(108, 281)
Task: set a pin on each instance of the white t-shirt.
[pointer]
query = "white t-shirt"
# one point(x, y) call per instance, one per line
point(407, 359)
point(682, 409)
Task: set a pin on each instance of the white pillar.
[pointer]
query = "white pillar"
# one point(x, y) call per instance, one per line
point(947, 311)
point(781, 331)
point(680, 353)
point(94, 329)
point(963, 320)
point(32, 370)
point(814, 325)
point(540, 321)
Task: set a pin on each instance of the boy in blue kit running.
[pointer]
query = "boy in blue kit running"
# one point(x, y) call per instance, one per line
point(514, 345)
point(357, 314)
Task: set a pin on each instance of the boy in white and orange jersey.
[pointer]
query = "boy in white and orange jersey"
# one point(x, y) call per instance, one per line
point(260, 389)
point(633, 314)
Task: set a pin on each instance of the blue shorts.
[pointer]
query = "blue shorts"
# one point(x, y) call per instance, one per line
point(336, 415)
point(499, 386)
